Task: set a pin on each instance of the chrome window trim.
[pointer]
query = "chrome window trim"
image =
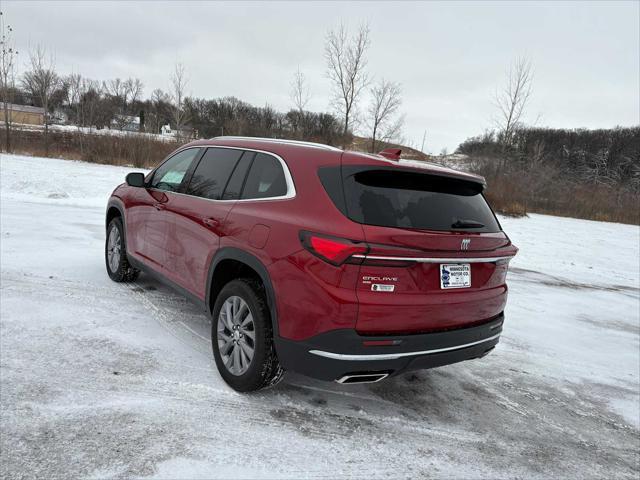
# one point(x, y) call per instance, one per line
point(394, 356)
point(437, 260)
point(291, 188)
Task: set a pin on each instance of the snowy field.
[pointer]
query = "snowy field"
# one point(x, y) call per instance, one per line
point(94, 131)
point(102, 380)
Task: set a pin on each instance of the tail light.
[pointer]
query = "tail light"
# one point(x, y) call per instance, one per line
point(333, 250)
point(337, 251)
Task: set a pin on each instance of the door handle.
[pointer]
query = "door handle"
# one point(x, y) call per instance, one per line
point(211, 222)
point(159, 206)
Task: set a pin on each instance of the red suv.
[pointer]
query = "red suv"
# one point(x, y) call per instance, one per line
point(338, 265)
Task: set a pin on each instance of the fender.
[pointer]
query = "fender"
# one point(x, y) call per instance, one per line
point(231, 253)
point(115, 202)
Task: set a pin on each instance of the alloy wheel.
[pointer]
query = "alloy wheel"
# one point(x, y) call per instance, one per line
point(113, 249)
point(236, 335)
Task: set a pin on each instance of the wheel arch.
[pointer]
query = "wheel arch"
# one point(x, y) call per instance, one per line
point(228, 255)
point(113, 212)
point(115, 208)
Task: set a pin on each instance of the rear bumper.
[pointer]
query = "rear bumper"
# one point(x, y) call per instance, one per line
point(335, 354)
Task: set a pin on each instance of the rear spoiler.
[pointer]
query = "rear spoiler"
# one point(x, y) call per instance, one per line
point(391, 153)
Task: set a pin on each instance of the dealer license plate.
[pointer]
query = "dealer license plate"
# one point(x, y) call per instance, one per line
point(455, 275)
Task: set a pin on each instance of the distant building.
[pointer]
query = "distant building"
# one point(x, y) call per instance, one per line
point(23, 114)
point(128, 123)
point(59, 117)
point(166, 130)
point(185, 132)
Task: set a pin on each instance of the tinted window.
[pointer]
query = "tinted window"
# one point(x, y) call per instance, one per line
point(234, 186)
point(266, 178)
point(211, 175)
point(416, 200)
point(169, 175)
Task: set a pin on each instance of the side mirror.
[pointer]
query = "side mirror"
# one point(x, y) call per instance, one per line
point(135, 179)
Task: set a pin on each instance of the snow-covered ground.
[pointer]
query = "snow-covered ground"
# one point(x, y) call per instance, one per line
point(103, 380)
point(94, 131)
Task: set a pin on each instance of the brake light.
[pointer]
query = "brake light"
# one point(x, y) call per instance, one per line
point(333, 250)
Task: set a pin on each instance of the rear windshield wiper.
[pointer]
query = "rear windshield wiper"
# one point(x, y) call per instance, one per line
point(467, 224)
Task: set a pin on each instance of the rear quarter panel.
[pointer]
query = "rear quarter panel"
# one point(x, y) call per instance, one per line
point(311, 295)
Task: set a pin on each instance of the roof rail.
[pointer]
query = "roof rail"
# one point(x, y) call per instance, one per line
point(280, 140)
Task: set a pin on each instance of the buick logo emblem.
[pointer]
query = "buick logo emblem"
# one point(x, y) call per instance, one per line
point(464, 245)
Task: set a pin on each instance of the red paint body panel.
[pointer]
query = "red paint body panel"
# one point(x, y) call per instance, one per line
point(179, 235)
point(192, 242)
point(417, 303)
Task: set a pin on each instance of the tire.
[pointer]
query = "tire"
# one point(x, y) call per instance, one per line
point(115, 254)
point(263, 369)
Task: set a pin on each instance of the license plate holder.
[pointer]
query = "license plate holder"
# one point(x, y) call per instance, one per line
point(455, 275)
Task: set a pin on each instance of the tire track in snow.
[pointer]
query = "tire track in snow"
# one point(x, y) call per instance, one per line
point(165, 319)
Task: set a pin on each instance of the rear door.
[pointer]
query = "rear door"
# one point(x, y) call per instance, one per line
point(434, 243)
point(200, 215)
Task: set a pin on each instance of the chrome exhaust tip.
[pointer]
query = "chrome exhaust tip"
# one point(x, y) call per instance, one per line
point(362, 378)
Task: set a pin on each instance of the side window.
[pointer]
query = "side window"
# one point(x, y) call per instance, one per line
point(234, 186)
point(212, 173)
point(169, 175)
point(266, 178)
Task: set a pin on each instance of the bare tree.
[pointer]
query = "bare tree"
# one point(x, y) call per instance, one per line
point(178, 86)
point(117, 89)
point(40, 82)
point(386, 98)
point(91, 103)
point(75, 93)
point(8, 62)
point(300, 94)
point(83, 97)
point(512, 100)
point(133, 90)
point(159, 100)
point(346, 64)
point(123, 93)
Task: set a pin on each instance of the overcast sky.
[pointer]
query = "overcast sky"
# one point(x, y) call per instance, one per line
point(449, 57)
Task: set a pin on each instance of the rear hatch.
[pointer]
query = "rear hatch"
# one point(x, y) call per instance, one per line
point(437, 256)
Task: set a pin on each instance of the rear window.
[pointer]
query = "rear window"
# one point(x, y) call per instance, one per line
point(266, 178)
point(405, 199)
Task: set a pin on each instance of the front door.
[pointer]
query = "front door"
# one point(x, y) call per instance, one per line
point(151, 223)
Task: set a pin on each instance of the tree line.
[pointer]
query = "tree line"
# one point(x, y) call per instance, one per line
point(592, 174)
point(98, 104)
point(608, 157)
